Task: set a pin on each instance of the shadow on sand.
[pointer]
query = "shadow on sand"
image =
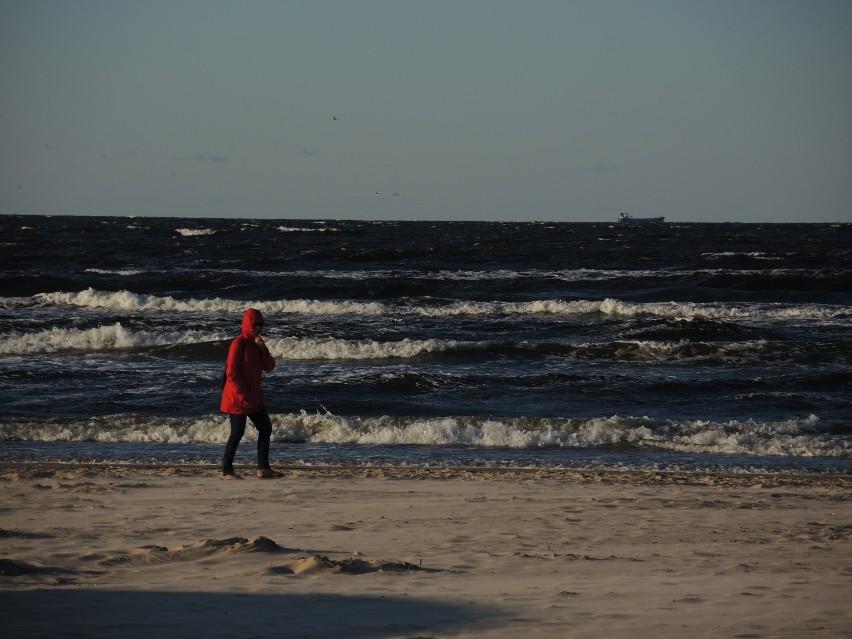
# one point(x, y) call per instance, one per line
point(106, 613)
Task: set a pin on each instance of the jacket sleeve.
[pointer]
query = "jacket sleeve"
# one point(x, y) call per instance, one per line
point(234, 371)
point(267, 359)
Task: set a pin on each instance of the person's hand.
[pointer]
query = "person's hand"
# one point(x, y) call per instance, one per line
point(259, 340)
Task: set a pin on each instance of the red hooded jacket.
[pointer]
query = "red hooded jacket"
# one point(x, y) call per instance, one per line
point(247, 361)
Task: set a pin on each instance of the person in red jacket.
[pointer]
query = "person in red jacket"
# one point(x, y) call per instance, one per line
point(242, 397)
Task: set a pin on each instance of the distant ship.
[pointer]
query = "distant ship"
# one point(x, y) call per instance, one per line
point(625, 218)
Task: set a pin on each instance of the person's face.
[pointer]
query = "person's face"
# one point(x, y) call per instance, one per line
point(257, 326)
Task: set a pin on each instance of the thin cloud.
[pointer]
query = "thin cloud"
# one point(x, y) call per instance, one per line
point(604, 168)
point(202, 157)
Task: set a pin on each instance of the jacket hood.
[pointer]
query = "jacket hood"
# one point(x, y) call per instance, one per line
point(250, 318)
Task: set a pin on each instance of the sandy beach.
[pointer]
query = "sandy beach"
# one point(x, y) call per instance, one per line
point(125, 551)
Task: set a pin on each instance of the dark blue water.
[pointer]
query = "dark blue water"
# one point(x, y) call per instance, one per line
point(433, 343)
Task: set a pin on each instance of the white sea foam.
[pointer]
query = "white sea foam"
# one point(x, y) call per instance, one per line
point(306, 229)
point(121, 272)
point(618, 308)
point(794, 437)
point(341, 349)
point(193, 232)
point(120, 428)
point(790, 438)
point(681, 352)
point(125, 300)
point(753, 254)
point(116, 336)
point(102, 338)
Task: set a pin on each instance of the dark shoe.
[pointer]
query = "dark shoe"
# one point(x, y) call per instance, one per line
point(229, 476)
point(267, 473)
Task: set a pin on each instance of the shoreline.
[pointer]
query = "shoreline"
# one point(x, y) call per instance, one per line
point(613, 476)
point(108, 550)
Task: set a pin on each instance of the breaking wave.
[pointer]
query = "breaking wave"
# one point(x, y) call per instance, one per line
point(101, 338)
point(790, 438)
point(194, 232)
point(127, 301)
point(307, 229)
point(117, 336)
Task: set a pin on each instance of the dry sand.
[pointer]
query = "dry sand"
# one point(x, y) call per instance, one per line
point(160, 552)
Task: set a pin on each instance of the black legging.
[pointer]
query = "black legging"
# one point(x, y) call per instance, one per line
point(263, 424)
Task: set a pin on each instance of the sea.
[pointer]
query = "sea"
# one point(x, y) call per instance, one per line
point(722, 348)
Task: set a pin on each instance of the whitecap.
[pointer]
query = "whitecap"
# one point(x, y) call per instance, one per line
point(798, 437)
point(101, 338)
point(120, 272)
point(194, 232)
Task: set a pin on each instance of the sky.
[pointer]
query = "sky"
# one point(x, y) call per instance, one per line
point(529, 110)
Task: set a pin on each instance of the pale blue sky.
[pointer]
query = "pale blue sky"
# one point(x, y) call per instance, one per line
point(702, 111)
